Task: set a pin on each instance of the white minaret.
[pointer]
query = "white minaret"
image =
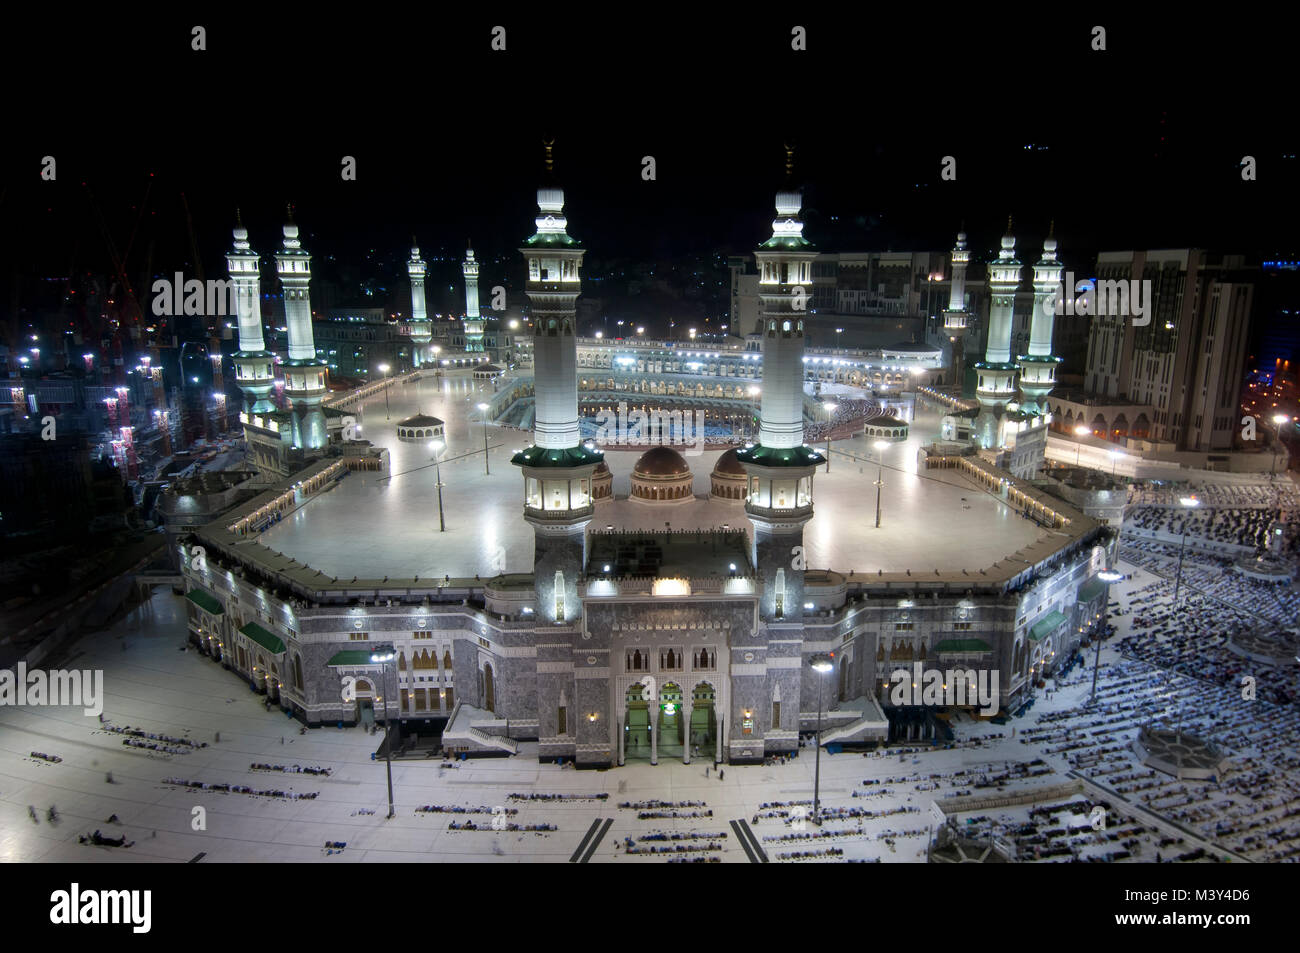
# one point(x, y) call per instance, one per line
point(780, 467)
point(473, 323)
point(557, 469)
point(254, 364)
point(996, 374)
point(304, 375)
point(421, 329)
point(1038, 367)
point(955, 315)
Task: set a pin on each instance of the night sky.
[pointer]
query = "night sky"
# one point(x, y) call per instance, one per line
point(1135, 147)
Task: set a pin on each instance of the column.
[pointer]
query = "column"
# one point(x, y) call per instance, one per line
point(654, 732)
point(687, 708)
point(720, 749)
point(622, 737)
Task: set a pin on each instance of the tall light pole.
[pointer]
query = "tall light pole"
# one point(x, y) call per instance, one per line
point(1080, 431)
point(1107, 576)
point(484, 409)
point(1278, 421)
point(829, 406)
point(820, 666)
point(880, 446)
point(383, 657)
point(437, 446)
point(1190, 502)
point(383, 369)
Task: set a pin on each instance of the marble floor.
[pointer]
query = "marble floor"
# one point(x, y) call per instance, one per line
point(372, 525)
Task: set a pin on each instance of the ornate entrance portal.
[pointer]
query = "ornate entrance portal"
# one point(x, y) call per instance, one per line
point(672, 722)
point(636, 725)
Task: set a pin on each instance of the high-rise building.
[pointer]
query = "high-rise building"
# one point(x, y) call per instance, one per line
point(1184, 359)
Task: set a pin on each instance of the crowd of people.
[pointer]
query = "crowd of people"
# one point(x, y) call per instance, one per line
point(510, 827)
point(1252, 600)
point(51, 758)
point(848, 413)
point(1281, 493)
point(1230, 527)
point(460, 809)
point(1252, 809)
point(290, 769)
point(557, 797)
point(657, 804)
point(241, 789)
point(187, 743)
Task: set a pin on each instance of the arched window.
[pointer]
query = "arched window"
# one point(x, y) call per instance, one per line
point(297, 671)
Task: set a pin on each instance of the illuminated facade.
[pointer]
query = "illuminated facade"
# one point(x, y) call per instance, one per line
point(624, 645)
point(473, 321)
point(304, 373)
point(420, 326)
point(254, 364)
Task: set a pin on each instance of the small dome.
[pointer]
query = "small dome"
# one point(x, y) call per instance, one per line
point(884, 420)
point(601, 468)
point(661, 461)
point(728, 463)
point(420, 420)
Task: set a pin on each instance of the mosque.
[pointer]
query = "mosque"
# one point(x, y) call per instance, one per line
point(660, 624)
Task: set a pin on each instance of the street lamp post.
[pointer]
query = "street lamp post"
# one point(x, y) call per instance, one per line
point(384, 658)
point(820, 665)
point(1278, 421)
point(437, 446)
point(830, 411)
point(383, 369)
point(484, 408)
point(1107, 576)
point(880, 446)
point(1189, 502)
point(1080, 431)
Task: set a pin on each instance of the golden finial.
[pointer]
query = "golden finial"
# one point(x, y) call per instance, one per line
point(290, 213)
point(1008, 224)
point(239, 219)
point(789, 159)
point(1051, 229)
point(550, 161)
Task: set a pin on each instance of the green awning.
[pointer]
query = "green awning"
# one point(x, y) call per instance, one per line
point(267, 640)
point(762, 456)
point(204, 601)
point(539, 457)
point(1046, 626)
point(351, 657)
point(963, 645)
point(1091, 589)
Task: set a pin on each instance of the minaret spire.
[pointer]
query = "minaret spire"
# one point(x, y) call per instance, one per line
point(473, 322)
point(557, 469)
point(1038, 367)
point(997, 373)
point(304, 375)
point(421, 326)
point(254, 365)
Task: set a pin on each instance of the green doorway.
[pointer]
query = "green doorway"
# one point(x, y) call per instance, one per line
point(636, 725)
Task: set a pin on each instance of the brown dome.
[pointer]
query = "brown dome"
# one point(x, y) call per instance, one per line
point(662, 462)
point(601, 468)
point(729, 464)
